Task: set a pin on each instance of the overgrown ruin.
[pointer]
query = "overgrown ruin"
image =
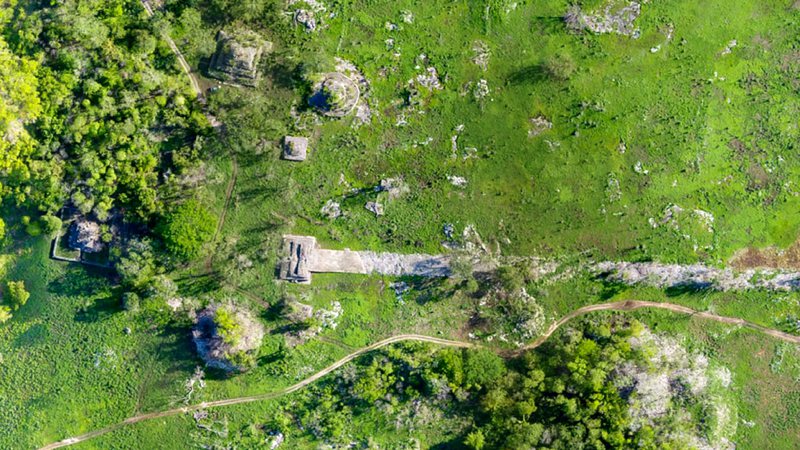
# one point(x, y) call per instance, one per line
point(237, 56)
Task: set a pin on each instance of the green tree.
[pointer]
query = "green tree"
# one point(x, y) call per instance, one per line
point(482, 367)
point(475, 440)
point(17, 295)
point(186, 229)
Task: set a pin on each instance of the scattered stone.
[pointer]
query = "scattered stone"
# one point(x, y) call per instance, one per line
point(449, 229)
point(237, 56)
point(375, 208)
point(395, 187)
point(332, 210)
point(481, 89)
point(618, 17)
point(639, 168)
point(539, 125)
point(429, 80)
point(127, 330)
point(275, 440)
point(457, 181)
point(295, 148)
point(335, 95)
point(407, 16)
point(86, 236)
point(306, 19)
point(729, 48)
point(613, 190)
point(482, 54)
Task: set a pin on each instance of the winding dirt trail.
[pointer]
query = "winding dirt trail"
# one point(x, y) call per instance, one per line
point(629, 305)
point(181, 60)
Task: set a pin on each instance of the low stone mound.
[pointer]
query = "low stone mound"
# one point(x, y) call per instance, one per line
point(225, 335)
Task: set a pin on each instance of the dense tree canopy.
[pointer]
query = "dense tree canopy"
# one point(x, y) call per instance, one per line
point(96, 108)
point(186, 228)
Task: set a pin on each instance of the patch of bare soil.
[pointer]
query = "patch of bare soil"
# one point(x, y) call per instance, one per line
point(767, 258)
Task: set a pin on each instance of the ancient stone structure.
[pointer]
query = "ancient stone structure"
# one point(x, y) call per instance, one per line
point(295, 267)
point(304, 257)
point(295, 148)
point(237, 56)
point(335, 95)
point(85, 235)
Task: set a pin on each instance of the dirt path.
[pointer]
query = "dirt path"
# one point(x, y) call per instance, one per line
point(181, 60)
point(628, 305)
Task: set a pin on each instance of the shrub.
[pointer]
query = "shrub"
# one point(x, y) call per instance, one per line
point(5, 314)
point(131, 302)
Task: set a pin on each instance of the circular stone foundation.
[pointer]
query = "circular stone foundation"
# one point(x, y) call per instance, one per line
point(335, 95)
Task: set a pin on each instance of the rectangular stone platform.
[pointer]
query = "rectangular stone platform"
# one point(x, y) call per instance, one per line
point(304, 257)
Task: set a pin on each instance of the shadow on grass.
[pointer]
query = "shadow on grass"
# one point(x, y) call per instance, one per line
point(80, 281)
point(691, 288)
point(530, 74)
point(199, 284)
point(100, 309)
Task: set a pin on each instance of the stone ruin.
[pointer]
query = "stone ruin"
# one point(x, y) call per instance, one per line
point(86, 236)
point(237, 56)
point(617, 16)
point(305, 257)
point(214, 349)
point(334, 95)
point(295, 267)
point(295, 148)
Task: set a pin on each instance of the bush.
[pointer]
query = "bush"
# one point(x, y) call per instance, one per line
point(186, 229)
point(560, 66)
point(131, 302)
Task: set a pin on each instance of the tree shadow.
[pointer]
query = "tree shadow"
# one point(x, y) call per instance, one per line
point(284, 76)
point(456, 443)
point(611, 289)
point(688, 288)
point(100, 309)
point(80, 281)
point(195, 285)
point(529, 74)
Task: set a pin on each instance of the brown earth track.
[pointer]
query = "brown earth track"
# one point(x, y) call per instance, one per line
point(628, 305)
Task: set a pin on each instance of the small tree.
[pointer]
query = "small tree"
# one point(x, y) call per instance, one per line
point(17, 295)
point(482, 368)
point(51, 224)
